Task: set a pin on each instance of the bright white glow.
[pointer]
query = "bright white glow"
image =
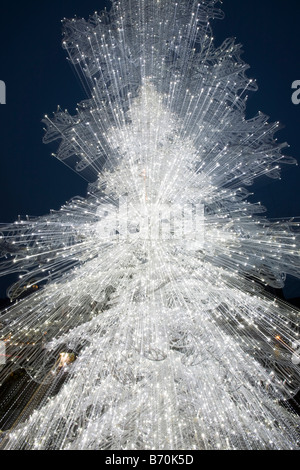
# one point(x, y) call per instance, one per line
point(164, 343)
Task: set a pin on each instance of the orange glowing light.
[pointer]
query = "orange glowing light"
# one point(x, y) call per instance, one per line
point(65, 359)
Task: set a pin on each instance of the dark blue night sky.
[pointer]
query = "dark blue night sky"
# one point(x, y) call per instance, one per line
point(38, 78)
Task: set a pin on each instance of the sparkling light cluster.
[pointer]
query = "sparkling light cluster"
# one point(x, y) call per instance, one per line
point(161, 342)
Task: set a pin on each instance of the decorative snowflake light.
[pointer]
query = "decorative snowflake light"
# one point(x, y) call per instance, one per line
point(151, 328)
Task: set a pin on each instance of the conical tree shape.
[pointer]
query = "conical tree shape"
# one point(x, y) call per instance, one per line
point(151, 309)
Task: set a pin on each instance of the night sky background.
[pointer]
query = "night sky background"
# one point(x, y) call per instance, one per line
point(38, 78)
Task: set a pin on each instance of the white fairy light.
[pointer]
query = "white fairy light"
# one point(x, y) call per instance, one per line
point(150, 311)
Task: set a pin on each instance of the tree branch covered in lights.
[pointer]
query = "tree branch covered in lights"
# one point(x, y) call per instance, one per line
point(151, 328)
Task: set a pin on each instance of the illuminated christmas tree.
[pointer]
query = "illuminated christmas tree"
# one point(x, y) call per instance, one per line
point(151, 327)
